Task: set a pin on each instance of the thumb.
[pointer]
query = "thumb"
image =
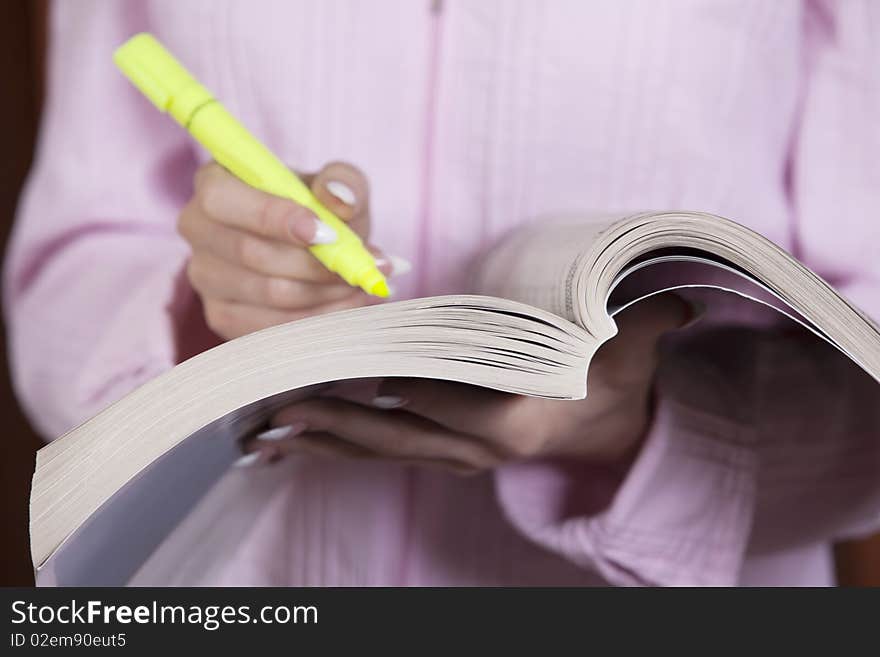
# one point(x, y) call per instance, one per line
point(344, 190)
point(650, 318)
point(632, 353)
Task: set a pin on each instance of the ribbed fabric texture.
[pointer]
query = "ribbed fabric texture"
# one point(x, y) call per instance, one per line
point(470, 121)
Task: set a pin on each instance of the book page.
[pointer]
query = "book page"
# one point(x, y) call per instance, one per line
point(540, 264)
point(104, 472)
point(108, 548)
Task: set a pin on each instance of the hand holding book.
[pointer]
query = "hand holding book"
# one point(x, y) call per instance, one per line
point(568, 297)
point(466, 429)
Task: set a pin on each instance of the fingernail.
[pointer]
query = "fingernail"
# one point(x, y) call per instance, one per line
point(399, 265)
point(341, 191)
point(391, 265)
point(306, 227)
point(280, 433)
point(387, 402)
point(248, 460)
point(324, 234)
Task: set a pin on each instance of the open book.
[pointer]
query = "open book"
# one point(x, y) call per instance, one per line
point(107, 493)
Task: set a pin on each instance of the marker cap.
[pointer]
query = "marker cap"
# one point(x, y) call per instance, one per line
point(160, 77)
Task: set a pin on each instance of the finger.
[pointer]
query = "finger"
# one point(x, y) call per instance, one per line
point(227, 200)
point(264, 256)
point(631, 355)
point(231, 319)
point(489, 414)
point(343, 189)
point(326, 445)
point(646, 320)
point(390, 434)
point(323, 444)
point(218, 279)
point(292, 439)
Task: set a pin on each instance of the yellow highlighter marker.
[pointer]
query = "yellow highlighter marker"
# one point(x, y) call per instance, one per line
point(171, 88)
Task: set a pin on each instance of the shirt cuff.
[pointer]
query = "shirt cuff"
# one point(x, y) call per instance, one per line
point(681, 515)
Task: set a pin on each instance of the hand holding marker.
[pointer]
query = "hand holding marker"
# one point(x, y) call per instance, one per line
point(162, 79)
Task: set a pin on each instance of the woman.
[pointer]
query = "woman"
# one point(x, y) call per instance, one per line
point(132, 251)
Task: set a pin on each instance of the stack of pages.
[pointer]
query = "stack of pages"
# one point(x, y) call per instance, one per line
point(107, 493)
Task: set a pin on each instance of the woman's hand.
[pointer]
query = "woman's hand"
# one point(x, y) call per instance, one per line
point(468, 429)
point(250, 264)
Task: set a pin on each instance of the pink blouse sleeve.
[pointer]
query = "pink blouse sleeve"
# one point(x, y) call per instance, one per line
point(763, 441)
point(92, 279)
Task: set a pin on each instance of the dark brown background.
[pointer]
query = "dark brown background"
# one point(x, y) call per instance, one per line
point(22, 44)
point(21, 49)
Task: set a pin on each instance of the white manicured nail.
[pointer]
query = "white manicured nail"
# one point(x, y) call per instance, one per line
point(341, 191)
point(280, 433)
point(324, 234)
point(388, 402)
point(248, 460)
point(392, 265)
point(399, 265)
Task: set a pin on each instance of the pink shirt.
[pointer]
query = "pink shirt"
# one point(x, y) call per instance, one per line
point(470, 118)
